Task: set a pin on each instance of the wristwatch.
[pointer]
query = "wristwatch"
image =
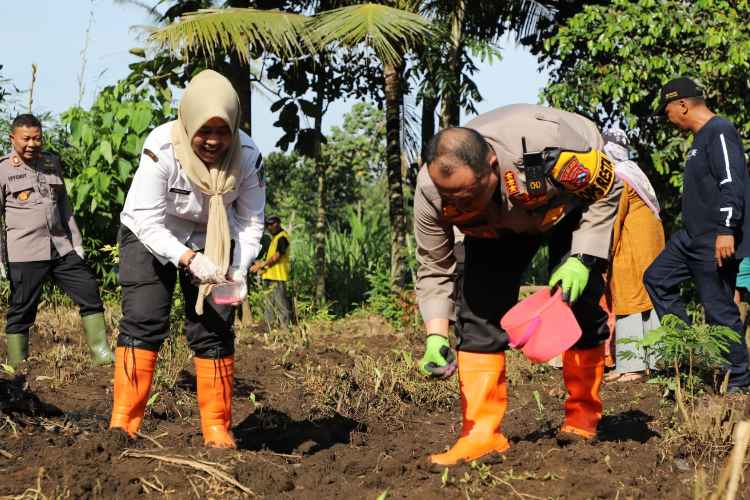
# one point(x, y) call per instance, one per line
point(588, 260)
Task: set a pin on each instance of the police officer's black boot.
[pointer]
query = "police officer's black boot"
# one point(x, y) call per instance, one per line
point(95, 329)
point(18, 348)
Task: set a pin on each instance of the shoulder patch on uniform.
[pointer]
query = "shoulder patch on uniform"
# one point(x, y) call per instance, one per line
point(259, 171)
point(151, 155)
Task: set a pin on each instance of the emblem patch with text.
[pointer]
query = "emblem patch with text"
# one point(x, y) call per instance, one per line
point(574, 174)
point(511, 184)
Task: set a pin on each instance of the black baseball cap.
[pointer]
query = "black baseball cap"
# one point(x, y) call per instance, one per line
point(272, 218)
point(679, 88)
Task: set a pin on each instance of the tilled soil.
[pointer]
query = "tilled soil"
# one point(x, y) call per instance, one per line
point(54, 442)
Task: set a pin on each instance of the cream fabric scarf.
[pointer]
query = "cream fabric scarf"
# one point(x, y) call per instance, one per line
point(210, 95)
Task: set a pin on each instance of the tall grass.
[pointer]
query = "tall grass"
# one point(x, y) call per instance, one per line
point(354, 251)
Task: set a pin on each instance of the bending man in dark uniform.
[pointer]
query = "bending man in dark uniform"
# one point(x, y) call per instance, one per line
point(507, 203)
point(715, 214)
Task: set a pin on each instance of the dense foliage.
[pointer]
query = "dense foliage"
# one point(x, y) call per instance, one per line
point(101, 152)
point(609, 62)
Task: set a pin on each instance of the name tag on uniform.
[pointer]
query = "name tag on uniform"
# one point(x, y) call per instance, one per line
point(16, 177)
point(179, 191)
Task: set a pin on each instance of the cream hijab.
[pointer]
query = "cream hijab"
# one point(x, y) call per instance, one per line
point(210, 95)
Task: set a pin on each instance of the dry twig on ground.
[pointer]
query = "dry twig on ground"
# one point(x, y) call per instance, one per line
point(195, 464)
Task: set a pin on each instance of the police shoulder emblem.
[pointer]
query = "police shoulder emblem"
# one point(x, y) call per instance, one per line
point(24, 195)
point(15, 161)
point(573, 174)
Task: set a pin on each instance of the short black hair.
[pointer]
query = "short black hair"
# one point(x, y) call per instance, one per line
point(456, 146)
point(26, 120)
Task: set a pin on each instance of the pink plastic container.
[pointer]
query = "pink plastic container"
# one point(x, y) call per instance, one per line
point(542, 326)
point(226, 293)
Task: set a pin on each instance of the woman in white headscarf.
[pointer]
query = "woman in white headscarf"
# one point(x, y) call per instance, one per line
point(638, 238)
point(194, 212)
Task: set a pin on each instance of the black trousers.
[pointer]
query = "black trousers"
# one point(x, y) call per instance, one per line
point(492, 279)
point(147, 289)
point(683, 259)
point(278, 308)
point(69, 272)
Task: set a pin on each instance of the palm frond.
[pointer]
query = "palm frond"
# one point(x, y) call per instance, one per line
point(236, 29)
point(525, 23)
point(388, 31)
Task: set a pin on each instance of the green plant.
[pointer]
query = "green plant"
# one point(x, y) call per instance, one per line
point(100, 149)
point(608, 62)
point(539, 405)
point(691, 352)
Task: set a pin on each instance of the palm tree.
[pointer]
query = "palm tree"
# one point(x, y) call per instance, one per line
point(479, 22)
point(391, 33)
point(240, 33)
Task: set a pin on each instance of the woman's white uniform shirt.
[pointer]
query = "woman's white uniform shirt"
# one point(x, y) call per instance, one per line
point(168, 213)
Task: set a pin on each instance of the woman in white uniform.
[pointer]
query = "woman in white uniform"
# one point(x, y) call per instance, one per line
point(194, 212)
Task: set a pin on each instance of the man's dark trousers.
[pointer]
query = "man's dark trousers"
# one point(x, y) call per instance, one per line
point(685, 258)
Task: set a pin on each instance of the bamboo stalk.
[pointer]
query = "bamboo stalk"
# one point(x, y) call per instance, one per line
point(732, 473)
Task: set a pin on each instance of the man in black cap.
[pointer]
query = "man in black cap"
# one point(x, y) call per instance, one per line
point(274, 270)
point(716, 217)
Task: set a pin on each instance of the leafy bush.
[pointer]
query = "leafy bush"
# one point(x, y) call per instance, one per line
point(101, 148)
point(353, 253)
point(690, 352)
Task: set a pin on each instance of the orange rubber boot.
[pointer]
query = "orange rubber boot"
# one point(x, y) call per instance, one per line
point(134, 371)
point(215, 380)
point(583, 371)
point(484, 397)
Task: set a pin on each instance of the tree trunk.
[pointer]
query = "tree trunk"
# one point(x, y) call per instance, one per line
point(320, 171)
point(451, 112)
point(393, 89)
point(429, 105)
point(239, 75)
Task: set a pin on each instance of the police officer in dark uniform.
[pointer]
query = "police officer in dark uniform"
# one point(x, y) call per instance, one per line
point(716, 217)
point(41, 239)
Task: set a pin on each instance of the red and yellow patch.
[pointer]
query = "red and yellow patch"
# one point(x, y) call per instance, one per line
point(511, 183)
point(588, 175)
point(573, 174)
point(24, 195)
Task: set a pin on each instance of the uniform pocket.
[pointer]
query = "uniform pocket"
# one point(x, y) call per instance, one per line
point(16, 285)
point(55, 183)
point(22, 191)
point(137, 264)
point(179, 192)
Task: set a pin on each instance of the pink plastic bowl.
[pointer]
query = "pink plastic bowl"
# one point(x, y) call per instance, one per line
point(542, 326)
point(226, 293)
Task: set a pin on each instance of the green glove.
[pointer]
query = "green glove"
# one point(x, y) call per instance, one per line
point(439, 360)
point(572, 275)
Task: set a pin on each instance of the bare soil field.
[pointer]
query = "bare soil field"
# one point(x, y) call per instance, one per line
point(332, 410)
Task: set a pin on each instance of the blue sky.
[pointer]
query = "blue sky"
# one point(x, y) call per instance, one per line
point(55, 36)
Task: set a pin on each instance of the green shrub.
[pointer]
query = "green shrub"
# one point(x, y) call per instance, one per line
point(353, 253)
point(690, 354)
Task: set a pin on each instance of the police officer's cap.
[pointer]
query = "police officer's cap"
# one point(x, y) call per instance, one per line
point(679, 88)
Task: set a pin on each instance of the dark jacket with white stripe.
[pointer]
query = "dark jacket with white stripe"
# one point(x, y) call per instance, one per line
point(715, 187)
